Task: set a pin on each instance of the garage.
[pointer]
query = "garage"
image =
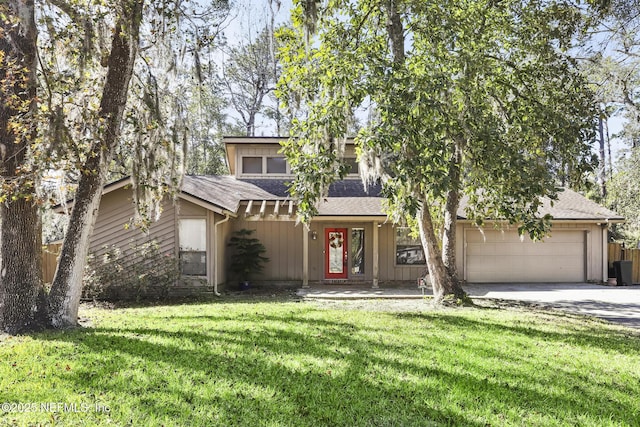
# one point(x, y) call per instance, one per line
point(502, 256)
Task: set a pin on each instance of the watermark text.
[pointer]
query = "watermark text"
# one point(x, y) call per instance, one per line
point(52, 407)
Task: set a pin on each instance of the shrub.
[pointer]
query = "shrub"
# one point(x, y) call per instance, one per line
point(142, 272)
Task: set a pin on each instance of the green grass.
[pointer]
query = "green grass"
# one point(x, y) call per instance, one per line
point(274, 363)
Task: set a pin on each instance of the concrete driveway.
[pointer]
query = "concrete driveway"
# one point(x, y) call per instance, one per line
point(620, 304)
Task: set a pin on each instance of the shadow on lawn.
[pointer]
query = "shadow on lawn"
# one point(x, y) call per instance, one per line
point(328, 372)
point(590, 333)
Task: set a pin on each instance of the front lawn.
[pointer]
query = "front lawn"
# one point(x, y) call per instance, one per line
point(274, 363)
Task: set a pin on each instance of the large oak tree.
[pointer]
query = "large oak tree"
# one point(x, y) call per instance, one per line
point(89, 56)
point(464, 98)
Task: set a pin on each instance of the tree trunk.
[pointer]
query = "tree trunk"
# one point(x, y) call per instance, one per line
point(451, 218)
point(602, 175)
point(21, 265)
point(20, 226)
point(66, 290)
point(443, 284)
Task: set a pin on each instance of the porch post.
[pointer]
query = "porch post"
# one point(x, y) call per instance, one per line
point(305, 257)
point(375, 255)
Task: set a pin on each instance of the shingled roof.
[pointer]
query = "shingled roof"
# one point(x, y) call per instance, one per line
point(569, 206)
point(224, 191)
point(349, 198)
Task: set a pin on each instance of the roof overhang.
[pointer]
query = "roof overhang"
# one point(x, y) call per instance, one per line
point(204, 204)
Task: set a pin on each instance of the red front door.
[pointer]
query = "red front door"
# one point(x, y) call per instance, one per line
point(335, 250)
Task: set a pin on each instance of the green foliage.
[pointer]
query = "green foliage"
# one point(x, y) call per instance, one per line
point(247, 256)
point(623, 196)
point(483, 88)
point(253, 362)
point(142, 272)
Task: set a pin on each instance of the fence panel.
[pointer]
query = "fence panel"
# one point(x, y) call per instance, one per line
point(50, 255)
point(614, 253)
point(633, 255)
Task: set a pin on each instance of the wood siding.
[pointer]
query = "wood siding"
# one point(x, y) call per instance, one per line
point(114, 226)
point(389, 270)
point(283, 241)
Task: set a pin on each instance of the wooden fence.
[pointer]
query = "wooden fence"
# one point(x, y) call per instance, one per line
point(50, 255)
point(618, 253)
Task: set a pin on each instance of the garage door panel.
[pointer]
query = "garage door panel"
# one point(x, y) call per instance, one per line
point(503, 257)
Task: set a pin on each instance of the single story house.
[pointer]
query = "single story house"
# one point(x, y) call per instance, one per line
point(351, 240)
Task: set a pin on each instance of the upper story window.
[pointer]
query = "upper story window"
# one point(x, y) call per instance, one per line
point(352, 164)
point(252, 165)
point(258, 165)
point(276, 165)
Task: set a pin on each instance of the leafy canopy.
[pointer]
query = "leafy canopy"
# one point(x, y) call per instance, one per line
point(484, 90)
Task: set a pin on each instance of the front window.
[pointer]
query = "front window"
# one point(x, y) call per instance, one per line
point(408, 248)
point(193, 246)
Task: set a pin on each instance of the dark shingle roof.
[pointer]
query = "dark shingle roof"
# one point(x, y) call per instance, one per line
point(349, 198)
point(345, 188)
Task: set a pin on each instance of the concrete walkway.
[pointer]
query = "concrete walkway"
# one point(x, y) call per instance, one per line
point(620, 304)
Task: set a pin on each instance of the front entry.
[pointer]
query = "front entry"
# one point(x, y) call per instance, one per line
point(336, 265)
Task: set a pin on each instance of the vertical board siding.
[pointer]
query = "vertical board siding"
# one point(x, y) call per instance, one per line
point(283, 242)
point(389, 271)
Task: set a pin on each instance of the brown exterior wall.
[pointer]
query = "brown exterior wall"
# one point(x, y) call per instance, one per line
point(283, 241)
point(389, 270)
point(114, 225)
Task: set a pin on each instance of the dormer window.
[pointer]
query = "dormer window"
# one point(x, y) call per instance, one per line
point(252, 165)
point(352, 164)
point(276, 165)
point(259, 165)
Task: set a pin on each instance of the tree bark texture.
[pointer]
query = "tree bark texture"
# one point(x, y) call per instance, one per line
point(66, 290)
point(451, 218)
point(20, 226)
point(443, 284)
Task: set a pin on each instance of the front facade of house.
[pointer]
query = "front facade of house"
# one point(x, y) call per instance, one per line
point(351, 239)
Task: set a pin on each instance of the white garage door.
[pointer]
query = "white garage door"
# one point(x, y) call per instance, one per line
point(503, 257)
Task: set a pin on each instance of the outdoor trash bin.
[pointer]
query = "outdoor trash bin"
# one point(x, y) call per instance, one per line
point(623, 272)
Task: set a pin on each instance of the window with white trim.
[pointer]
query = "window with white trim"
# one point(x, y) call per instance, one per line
point(259, 165)
point(192, 234)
